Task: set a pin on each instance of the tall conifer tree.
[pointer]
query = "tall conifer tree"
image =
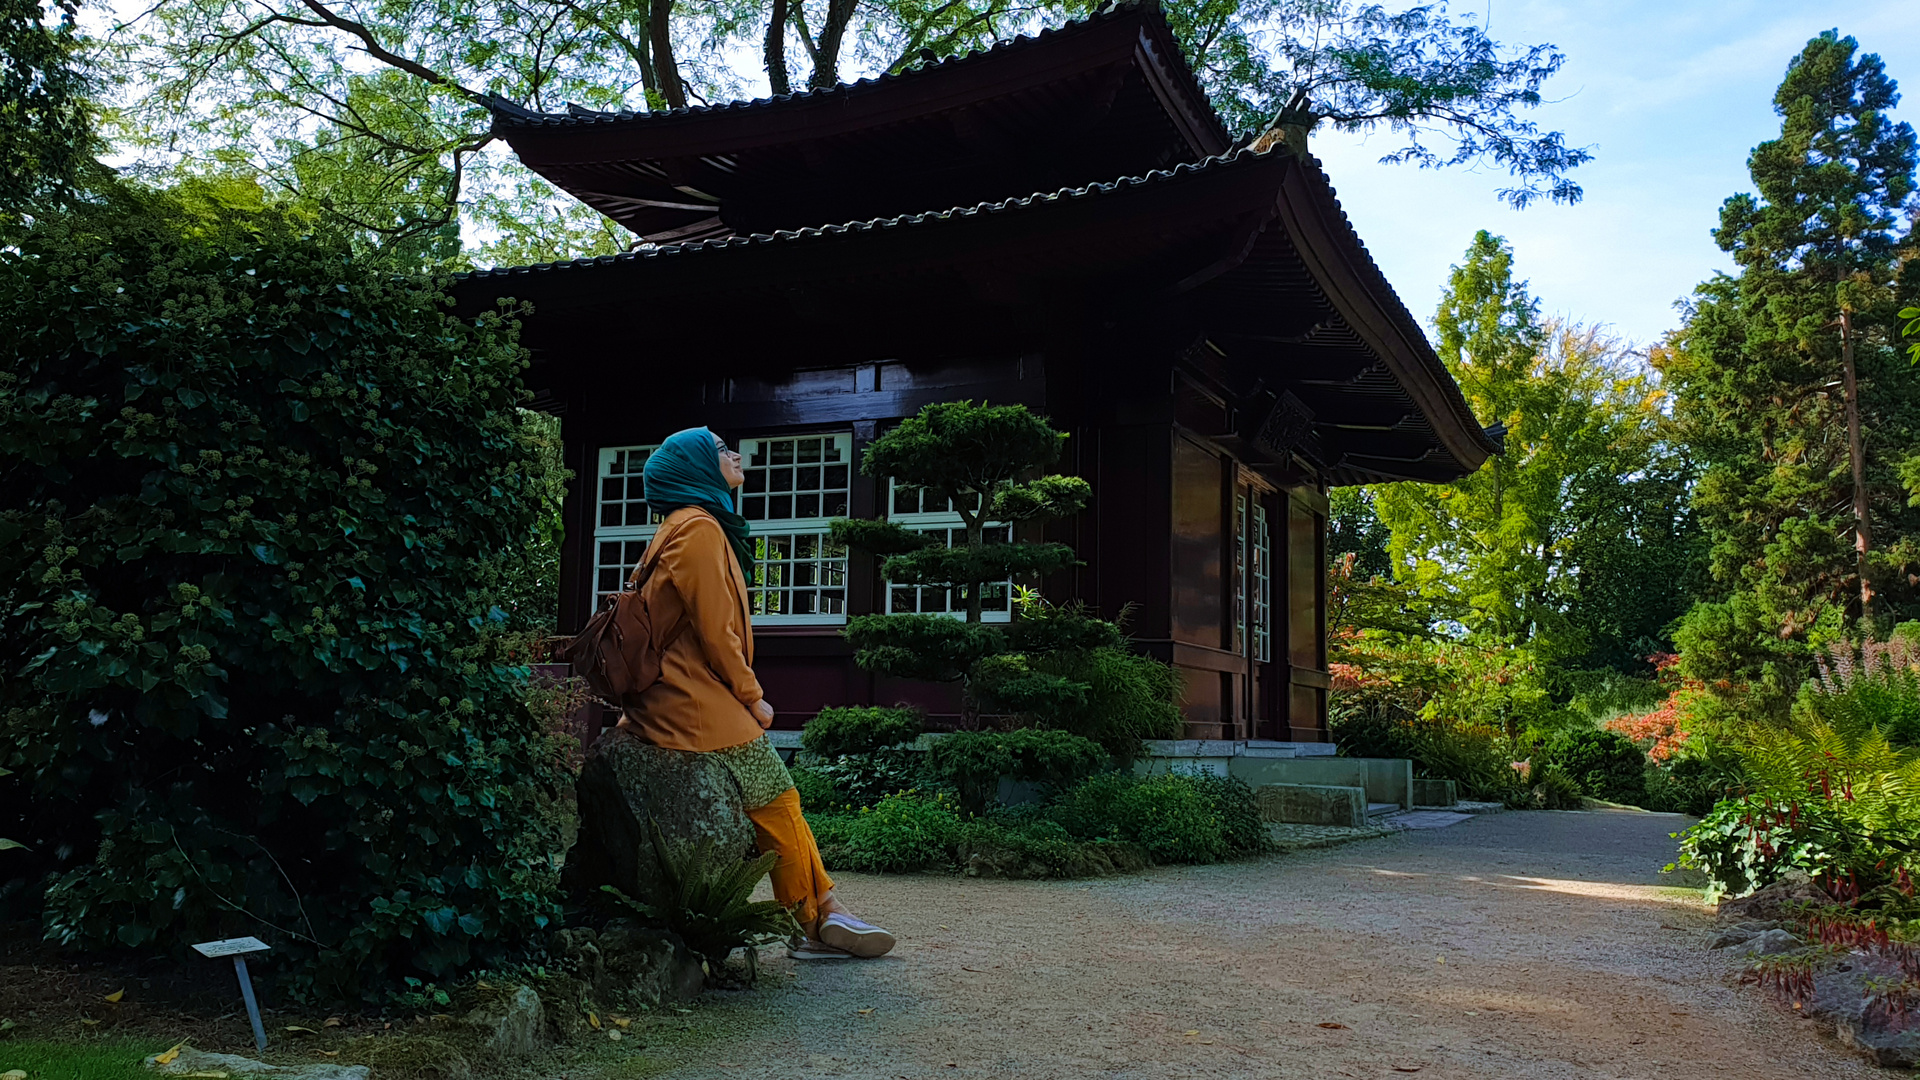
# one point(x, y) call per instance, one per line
point(1790, 384)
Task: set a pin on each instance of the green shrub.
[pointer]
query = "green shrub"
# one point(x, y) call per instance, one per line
point(1169, 816)
point(860, 729)
point(816, 788)
point(1742, 846)
point(1244, 830)
point(1478, 758)
point(263, 503)
point(1871, 685)
point(1687, 785)
point(1042, 848)
point(1553, 789)
point(900, 834)
point(706, 897)
point(864, 779)
point(974, 761)
point(1605, 764)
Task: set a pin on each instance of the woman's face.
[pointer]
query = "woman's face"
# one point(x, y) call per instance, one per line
point(729, 463)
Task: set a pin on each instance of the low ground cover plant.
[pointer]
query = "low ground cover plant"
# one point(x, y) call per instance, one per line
point(1108, 822)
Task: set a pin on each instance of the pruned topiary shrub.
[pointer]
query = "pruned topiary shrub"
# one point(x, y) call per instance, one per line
point(974, 761)
point(259, 501)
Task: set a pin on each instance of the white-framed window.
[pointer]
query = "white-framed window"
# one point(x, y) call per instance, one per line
point(624, 522)
point(1262, 585)
point(796, 485)
point(922, 511)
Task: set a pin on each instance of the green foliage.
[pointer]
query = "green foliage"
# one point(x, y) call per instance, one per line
point(1554, 789)
point(1604, 764)
point(902, 833)
point(856, 780)
point(706, 897)
point(878, 536)
point(1127, 697)
point(1754, 374)
point(965, 452)
point(46, 123)
point(1866, 686)
point(1476, 757)
point(930, 647)
point(1047, 497)
point(860, 729)
point(974, 761)
point(1687, 785)
point(262, 500)
point(1741, 847)
point(1168, 815)
point(967, 568)
point(1586, 475)
point(817, 789)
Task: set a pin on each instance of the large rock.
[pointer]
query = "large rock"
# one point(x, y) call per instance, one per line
point(515, 1024)
point(1847, 994)
point(1777, 901)
point(625, 782)
point(187, 1061)
point(625, 961)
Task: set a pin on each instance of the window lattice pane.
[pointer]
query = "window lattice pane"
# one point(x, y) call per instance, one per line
point(1262, 586)
point(613, 561)
point(799, 575)
point(623, 501)
point(797, 479)
point(996, 598)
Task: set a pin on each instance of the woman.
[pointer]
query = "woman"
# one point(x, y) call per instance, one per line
point(707, 699)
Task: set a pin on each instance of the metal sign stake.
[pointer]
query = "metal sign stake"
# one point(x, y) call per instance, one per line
point(253, 1007)
point(238, 948)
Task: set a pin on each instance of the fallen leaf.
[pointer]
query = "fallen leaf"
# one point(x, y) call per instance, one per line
point(615, 1036)
point(332, 1021)
point(168, 1057)
point(953, 1064)
point(14, 1074)
point(211, 1074)
point(976, 971)
point(441, 1018)
point(115, 997)
point(483, 985)
point(302, 1030)
point(89, 1022)
point(683, 1012)
point(864, 1012)
point(1206, 1042)
point(621, 1022)
point(1331, 1026)
point(1439, 959)
point(943, 928)
point(593, 1021)
point(1192, 1033)
point(1407, 1068)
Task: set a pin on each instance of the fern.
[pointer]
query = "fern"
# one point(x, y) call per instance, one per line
point(706, 898)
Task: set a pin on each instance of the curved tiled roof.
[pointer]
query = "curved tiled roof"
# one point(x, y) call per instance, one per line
point(1231, 159)
point(508, 116)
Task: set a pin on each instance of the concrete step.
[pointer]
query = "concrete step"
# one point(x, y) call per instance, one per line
point(1375, 809)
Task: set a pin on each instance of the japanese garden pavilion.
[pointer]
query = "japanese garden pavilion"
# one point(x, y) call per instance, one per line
point(1060, 221)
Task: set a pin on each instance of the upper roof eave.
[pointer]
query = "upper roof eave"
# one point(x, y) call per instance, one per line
point(1137, 28)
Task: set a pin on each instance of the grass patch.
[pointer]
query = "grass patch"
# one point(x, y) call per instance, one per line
point(106, 1060)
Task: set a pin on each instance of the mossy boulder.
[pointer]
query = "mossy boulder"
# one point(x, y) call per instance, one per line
point(625, 783)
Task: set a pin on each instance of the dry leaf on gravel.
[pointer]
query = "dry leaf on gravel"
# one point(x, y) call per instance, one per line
point(593, 1021)
point(864, 1012)
point(115, 997)
point(332, 1021)
point(168, 1057)
point(1331, 1026)
point(328, 1053)
point(301, 1030)
point(1407, 1068)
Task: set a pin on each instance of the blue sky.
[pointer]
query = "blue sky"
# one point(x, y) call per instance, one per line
point(1671, 96)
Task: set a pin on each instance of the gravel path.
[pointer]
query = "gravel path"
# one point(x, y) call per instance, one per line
point(1513, 945)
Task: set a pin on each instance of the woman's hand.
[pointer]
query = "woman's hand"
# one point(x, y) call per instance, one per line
point(763, 712)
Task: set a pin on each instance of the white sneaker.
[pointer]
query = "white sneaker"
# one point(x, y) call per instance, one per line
point(858, 938)
point(816, 950)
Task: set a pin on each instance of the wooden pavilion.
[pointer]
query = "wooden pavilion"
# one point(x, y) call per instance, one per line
point(1059, 220)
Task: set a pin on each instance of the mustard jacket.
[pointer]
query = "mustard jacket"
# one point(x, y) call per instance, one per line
point(707, 689)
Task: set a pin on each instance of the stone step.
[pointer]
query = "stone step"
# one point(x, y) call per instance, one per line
point(1375, 809)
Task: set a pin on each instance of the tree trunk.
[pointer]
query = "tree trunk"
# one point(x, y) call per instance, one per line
point(666, 68)
point(1857, 457)
point(976, 539)
point(826, 60)
point(776, 48)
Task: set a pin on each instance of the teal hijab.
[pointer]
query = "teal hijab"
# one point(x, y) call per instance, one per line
point(685, 471)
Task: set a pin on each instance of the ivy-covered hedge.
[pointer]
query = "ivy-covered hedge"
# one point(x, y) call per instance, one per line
point(261, 501)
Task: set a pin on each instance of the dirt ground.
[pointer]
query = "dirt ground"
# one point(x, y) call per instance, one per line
point(1514, 945)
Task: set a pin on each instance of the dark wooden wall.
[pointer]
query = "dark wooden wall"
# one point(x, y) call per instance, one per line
point(1156, 542)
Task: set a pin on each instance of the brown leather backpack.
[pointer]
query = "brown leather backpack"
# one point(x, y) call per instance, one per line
point(617, 652)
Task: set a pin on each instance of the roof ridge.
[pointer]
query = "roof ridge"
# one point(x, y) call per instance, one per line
point(580, 116)
point(1228, 159)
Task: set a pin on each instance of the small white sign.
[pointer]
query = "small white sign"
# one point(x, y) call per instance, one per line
point(231, 947)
